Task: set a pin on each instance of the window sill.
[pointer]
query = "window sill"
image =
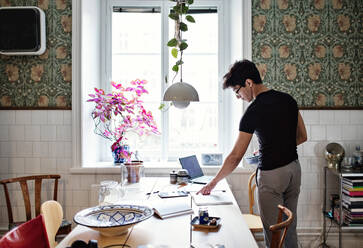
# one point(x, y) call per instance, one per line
point(151, 169)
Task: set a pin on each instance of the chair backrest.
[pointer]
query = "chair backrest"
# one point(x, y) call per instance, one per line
point(251, 191)
point(29, 234)
point(277, 239)
point(53, 214)
point(24, 188)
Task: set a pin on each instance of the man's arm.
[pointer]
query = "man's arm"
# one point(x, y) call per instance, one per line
point(301, 136)
point(231, 162)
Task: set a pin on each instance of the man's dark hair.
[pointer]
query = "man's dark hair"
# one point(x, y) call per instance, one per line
point(239, 72)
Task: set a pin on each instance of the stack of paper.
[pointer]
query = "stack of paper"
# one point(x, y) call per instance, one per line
point(215, 198)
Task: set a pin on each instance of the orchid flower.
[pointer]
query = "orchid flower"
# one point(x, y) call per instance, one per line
point(121, 111)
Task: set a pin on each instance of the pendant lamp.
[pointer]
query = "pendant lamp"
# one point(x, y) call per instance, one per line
point(180, 93)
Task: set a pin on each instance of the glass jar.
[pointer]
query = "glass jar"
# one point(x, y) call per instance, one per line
point(358, 156)
point(107, 192)
point(173, 177)
point(203, 216)
point(183, 176)
point(132, 172)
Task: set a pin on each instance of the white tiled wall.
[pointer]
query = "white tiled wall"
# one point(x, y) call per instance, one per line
point(33, 142)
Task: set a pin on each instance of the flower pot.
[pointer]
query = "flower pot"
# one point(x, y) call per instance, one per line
point(119, 154)
point(133, 171)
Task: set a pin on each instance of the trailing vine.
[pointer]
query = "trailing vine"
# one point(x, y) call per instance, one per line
point(177, 43)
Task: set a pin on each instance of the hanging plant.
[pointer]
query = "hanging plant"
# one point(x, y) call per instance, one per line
point(177, 43)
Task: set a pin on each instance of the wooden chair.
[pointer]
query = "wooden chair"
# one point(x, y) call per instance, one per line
point(277, 239)
point(53, 214)
point(65, 226)
point(253, 220)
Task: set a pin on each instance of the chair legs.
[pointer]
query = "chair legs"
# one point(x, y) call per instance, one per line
point(258, 236)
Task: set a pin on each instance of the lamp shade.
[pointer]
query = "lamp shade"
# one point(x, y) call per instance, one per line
point(181, 92)
point(181, 105)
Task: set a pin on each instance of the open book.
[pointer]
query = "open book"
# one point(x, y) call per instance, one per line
point(215, 198)
point(171, 207)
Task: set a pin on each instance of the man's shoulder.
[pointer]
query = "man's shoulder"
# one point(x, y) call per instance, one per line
point(284, 95)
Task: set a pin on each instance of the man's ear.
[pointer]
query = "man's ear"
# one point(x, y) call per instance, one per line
point(249, 82)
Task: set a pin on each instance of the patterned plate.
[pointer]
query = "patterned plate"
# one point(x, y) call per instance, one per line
point(111, 220)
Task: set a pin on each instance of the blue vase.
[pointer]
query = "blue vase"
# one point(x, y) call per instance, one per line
point(118, 155)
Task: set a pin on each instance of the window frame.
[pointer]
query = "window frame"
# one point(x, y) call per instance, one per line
point(238, 44)
point(106, 46)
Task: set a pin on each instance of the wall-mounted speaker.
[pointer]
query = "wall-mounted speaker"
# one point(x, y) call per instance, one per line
point(22, 31)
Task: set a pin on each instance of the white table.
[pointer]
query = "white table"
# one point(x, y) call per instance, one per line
point(175, 231)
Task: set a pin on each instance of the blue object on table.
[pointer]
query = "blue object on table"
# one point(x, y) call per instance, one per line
point(253, 159)
point(203, 216)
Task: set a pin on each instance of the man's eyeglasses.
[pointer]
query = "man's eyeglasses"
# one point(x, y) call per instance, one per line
point(236, 91)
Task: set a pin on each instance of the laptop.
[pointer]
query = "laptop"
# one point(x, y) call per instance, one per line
point(196, 175)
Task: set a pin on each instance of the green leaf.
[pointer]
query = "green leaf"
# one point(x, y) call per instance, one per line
point(183, 46)
point(190, 18)
point(174, 16)
point(190, 1)
point(162, 105)
point(183, 27)
point(175, 68)
point(185, 9)
point(172, 43)
point(179, 62)
point(174, 52)
point(176, 9)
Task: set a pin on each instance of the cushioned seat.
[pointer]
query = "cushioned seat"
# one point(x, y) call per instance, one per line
point(29, 234)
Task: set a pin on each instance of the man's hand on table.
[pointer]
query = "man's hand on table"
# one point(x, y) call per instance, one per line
point(207, 188)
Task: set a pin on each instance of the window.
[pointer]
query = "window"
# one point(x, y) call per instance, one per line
point(135, 47)
point(92, 67)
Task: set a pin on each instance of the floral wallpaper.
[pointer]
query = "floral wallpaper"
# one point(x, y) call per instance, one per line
point(311, 49)
point(41, 82)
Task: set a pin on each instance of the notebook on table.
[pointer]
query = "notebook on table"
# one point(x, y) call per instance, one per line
point(171, 207)
point(196, 175)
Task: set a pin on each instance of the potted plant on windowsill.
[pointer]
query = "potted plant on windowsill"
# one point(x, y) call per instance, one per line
point(119, 112)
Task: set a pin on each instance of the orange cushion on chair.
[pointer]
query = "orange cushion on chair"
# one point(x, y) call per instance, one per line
point(30, 234)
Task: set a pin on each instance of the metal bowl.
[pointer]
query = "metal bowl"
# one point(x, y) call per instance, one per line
point(113, 220)
point(334, 154)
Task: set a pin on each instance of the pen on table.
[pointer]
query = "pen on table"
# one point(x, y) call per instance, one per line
point(182, 185)
point(149, 193)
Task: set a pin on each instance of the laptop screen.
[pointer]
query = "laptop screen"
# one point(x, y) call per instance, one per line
point(192, 166)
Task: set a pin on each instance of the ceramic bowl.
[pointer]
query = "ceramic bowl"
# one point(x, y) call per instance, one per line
point(112, 220)
point(252, 159)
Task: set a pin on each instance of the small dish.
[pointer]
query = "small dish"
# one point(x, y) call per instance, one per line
point(252, 159)
point(195, 222)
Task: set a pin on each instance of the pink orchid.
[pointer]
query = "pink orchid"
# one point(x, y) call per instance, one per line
point(120, 111)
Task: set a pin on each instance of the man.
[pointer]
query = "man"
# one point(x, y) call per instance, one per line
point(275, 118)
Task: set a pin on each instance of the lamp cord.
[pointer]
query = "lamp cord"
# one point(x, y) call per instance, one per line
point(181, 51)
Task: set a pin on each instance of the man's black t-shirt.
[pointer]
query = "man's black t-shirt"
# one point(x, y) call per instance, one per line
point(273, 117)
